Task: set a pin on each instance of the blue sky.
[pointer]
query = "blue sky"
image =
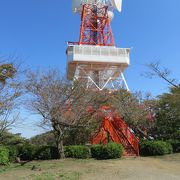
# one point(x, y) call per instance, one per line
point(36, 31)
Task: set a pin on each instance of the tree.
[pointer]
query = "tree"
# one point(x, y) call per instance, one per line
point(10, 91)
point(10, 139)
point(64, 106)
point(44, 139)
point(132, 107)
point(167, 119)
point(167, 108)
point(60, 104)
point(73, 136)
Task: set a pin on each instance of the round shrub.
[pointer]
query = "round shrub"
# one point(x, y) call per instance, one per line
point(46, 153)
point(79, 152)
point(4, 156)
point(153, 148)
point(108, 151)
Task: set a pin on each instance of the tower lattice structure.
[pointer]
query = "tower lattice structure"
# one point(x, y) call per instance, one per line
point(95, 26)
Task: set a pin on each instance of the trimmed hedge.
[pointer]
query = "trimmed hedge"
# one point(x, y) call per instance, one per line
point(79, 152)
point(13, 152)
point(153, 148)
point(4, 156)
point(30, 152)
point(175, 145)
point(108, 151)
point(27, 152)
point(46, 153)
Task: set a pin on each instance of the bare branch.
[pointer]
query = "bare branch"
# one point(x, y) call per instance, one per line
point(162, 73)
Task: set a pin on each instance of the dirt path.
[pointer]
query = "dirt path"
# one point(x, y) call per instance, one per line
point(142, 168)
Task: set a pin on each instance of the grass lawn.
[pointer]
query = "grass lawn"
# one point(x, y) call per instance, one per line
point(141, 168)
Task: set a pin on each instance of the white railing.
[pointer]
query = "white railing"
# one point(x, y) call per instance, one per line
point(98, 51)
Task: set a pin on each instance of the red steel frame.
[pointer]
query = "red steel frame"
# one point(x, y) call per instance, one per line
point(118, 131)
point(95, 26)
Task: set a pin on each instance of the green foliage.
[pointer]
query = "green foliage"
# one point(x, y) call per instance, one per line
point(14, 143)
point(27, 152)
point(4, 156)
point(77, 136)
point(153, 148)
point(9, 139)
point(96, 151)
point(79, 152)
point(108, 151)
point(127, 104)
point(175, 145)
point(46, 152)
point(72, 136)
point(13, 152)
point(45, 139)
point(167, 120)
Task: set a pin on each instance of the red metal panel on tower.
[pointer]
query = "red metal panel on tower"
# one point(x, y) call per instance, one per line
point(95, 26)
point(119, 132)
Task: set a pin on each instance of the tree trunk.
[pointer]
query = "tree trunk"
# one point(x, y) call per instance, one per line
point(60, 146)
point(59, 134)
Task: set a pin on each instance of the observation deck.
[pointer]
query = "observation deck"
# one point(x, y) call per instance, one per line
point(95, 57)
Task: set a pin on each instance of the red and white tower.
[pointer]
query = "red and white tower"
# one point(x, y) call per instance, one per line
point(97, 62)
point(95, 59)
